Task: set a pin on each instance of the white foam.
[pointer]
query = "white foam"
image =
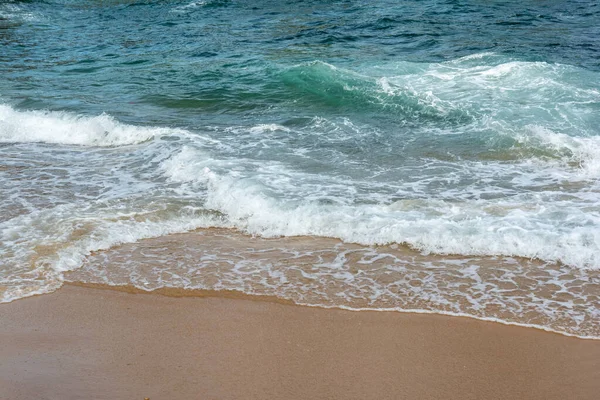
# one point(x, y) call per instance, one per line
point(73, 232)
point(262, 128)
point(552, 232)
point(192, 5)
point(66, 128)
point(584, 151)
point(14, 12)
point(476, 56)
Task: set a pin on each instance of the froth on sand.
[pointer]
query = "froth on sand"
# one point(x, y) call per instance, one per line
point(89, 342)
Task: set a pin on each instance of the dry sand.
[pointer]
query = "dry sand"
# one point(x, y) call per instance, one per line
point(90, 343)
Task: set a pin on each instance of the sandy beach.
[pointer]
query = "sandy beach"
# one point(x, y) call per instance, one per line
point(97, 343)
point(239, 200)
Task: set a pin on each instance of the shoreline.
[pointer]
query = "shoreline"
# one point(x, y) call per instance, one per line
point(506, 290)
point(239, 295)
point(235, 294)
point(92, 342)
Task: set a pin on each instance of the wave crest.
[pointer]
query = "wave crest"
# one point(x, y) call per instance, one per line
point(59, 127)
point(347, 90)
point(505, 227)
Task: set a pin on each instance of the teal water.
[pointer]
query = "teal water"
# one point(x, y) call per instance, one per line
point(468, 129)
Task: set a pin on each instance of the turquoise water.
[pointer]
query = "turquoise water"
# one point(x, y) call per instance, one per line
point(466, 133)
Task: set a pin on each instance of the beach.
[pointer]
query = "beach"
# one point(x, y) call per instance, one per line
point(219, 199)
point(100, 343)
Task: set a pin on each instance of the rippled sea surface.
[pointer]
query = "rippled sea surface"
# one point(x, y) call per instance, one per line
point(425, 156)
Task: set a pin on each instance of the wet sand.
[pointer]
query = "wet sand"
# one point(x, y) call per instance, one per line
point(94, 343)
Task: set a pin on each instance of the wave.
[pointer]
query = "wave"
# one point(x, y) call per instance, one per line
point(457, 91)
point(344, 89)
point(444, 210)
point(59, 127)
point(581, 152)
point(556, 231)
point(39, 247)
point(12, 15)
point(195, 4)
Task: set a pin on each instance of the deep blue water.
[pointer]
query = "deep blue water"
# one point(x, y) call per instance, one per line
point(181, 61)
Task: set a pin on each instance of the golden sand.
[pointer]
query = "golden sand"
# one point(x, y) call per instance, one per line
point(87, 343)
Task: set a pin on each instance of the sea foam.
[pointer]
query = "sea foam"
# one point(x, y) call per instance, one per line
point(65, 128)
point(551, 231)
point(39, 247)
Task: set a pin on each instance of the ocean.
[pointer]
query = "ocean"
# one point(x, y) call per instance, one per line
point(416, 156)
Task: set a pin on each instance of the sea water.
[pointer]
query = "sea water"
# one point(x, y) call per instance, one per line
point(425, 156)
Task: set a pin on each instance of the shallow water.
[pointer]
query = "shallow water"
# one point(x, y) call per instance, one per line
point(465, 135)
point(329, 273)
